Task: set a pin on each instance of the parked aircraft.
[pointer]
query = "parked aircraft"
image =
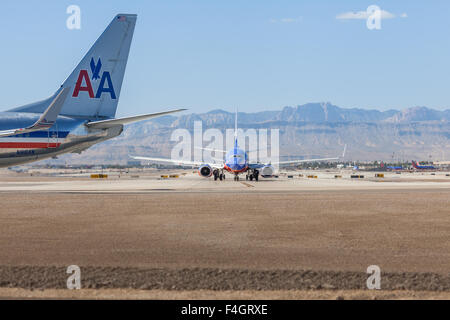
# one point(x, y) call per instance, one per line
point(82, 111)
point(417, 166)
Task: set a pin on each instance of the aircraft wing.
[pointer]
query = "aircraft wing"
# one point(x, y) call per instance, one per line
point(46, 120)
point(258, 165)
point(304, 160)
point(178, 162)
point(211, 149)
point(104, 124)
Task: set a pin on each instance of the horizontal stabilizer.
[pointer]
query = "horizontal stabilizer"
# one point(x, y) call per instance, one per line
point(104, 124)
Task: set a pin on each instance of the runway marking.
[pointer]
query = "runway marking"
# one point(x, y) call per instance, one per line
point(247, 184)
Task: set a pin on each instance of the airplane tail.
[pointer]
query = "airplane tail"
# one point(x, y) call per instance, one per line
point(96, 81)
point(235, 130)
point(415, 165)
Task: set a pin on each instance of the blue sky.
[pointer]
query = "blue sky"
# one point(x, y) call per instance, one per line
point(254, 55)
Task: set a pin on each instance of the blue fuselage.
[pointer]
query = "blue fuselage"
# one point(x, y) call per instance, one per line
point(236, 160)
point(66, 135)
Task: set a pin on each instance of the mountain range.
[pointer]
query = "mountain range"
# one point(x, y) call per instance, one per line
point(310, 130)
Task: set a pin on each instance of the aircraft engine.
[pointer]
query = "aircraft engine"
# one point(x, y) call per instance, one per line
point(205, 171)
point(267, 171)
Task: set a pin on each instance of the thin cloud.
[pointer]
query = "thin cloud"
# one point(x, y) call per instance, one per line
point(404, 15)
point(363, 15)
point(286, 20)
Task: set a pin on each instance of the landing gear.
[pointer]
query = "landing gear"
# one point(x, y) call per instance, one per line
point(236, 178)
point(218, 175)
point(252, 175)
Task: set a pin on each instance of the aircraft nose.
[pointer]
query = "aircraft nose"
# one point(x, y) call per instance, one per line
point(236, 166)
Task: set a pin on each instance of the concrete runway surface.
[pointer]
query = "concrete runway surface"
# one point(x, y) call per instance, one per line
point(139, 235)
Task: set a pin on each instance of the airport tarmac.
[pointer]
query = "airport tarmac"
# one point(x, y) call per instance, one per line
point(188, 181)
point(189, 234)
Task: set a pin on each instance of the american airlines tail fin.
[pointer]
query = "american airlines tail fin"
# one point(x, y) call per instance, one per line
point(96, 81)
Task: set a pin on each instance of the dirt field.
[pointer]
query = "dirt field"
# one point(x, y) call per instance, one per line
point(7, 293)
point(241, 241)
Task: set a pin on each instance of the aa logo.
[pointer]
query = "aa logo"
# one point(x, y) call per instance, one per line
point(84, 83)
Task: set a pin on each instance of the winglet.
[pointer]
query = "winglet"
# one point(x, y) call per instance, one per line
point(48, 118)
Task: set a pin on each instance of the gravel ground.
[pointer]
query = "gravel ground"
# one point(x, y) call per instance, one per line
point(214, 279)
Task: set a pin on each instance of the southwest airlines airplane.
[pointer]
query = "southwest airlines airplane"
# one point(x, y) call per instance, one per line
point(236, 162)
point(81, 112)
point(417, 166)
